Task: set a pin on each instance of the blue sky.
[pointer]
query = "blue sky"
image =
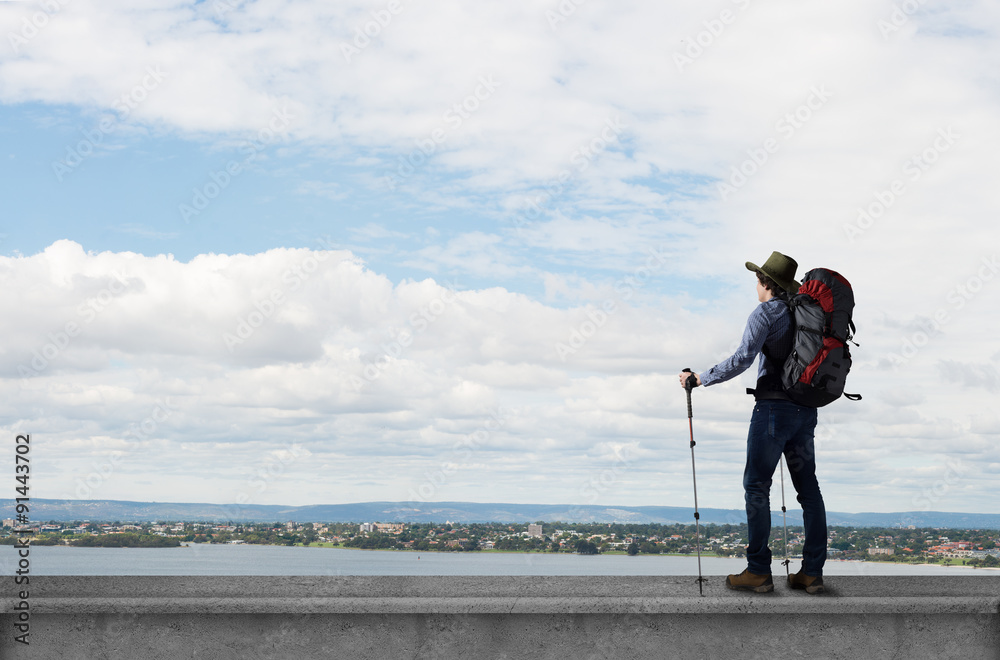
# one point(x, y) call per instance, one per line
point(132, 189)
point(256, 252)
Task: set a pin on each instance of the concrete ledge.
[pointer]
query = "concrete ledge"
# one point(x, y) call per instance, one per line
point(440, 617)
point(502, 595)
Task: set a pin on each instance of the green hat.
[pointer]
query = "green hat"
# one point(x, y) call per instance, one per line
point(779, 268)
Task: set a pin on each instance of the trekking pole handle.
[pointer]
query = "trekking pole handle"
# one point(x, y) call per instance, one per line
point(689, 384)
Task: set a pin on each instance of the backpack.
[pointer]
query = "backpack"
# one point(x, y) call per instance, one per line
point(816, 370)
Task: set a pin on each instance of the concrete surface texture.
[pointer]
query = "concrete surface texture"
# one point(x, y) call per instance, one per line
point(496, 618)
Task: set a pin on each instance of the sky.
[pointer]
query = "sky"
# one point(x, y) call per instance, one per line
point(303, 252)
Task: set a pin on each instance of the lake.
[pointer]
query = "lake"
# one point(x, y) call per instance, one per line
point(202, 559)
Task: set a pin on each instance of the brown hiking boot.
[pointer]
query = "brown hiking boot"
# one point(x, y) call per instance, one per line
point(812, 585)
point(747, 581)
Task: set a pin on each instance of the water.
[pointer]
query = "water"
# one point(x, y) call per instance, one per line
point(281, 560)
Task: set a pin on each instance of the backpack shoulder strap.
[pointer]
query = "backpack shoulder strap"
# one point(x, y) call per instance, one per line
point(790, 306)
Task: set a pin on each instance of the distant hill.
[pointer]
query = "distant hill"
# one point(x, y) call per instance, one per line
point(124, 511)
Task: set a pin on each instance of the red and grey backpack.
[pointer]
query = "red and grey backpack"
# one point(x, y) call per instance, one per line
point(816, 370)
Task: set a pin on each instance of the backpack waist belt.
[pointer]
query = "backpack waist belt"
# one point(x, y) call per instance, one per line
point(768, 395)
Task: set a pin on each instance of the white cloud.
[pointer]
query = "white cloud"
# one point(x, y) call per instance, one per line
point(348, 370)
point(555, 88)
point(523, 105)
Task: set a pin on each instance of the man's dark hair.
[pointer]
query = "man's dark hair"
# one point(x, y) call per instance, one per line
point(769, 284)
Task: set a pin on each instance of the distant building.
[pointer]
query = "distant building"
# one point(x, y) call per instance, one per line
point(389, 528)
point(951, 549)
point(535, 530)
point(881, 551)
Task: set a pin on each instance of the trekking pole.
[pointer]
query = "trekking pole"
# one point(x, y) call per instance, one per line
point(784, 518)
point(689, 384)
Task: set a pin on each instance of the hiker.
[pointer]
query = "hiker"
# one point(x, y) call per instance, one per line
point(777, 426)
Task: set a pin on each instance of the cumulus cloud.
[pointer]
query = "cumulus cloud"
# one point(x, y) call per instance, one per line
point(183, 380)
point(227, 352)
point(624, 160)
point(555, 86)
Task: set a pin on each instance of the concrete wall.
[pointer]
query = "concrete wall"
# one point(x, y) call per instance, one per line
point(493, 618)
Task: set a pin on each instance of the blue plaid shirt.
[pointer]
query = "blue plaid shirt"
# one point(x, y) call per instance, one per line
point(769, 324)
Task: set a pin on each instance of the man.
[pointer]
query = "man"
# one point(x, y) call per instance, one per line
point(778, 426)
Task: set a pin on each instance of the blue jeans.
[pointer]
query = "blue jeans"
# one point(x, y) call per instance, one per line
point(776, 428)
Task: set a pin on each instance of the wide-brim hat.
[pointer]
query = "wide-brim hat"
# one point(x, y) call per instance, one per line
point(779, 268)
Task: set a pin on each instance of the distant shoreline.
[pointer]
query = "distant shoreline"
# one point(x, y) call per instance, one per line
point(907, 563)
point(618, 553)
point(614, 553)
